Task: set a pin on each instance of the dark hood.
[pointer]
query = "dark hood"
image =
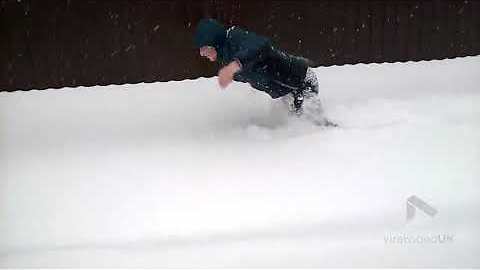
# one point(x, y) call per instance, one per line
point(210, 33)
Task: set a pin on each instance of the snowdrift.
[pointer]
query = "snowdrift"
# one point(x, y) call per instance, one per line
point(183, 174)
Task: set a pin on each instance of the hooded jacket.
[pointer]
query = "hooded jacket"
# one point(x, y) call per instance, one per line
point(265, 67)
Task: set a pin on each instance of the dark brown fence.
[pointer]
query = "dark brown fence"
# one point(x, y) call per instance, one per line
point(57, 43)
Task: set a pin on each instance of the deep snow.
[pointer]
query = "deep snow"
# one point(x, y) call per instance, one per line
point(185, 174)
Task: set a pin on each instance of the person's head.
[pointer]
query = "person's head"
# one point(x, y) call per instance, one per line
point(209, 52)
point(209, 37)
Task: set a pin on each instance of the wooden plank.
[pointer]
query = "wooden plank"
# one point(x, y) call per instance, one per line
point(20, 72)
point(5, 62)
point(441, 38)
point(453, 38)
point(389, 32)
point(413, 31)
point(349, 32)
point(474, 28)
point(377, 11)
point(402, 38)
point(462, 11)
point(331, 32)
point(364, 32)
point(427, 30)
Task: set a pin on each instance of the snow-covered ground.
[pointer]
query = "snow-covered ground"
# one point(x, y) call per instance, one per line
point(184, 174)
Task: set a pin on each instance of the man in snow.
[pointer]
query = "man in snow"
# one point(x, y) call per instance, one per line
point(248, 57)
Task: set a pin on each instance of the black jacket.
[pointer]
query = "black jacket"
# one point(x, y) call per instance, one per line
point(265, 67)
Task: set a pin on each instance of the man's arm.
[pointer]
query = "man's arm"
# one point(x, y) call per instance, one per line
point(225, 75)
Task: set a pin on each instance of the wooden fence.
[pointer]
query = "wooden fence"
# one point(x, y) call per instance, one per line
point(59, 43)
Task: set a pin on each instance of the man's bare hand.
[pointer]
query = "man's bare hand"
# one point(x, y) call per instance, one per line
point(225, 75)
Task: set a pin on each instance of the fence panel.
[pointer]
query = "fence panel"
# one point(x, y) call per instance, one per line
point(59, 43)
